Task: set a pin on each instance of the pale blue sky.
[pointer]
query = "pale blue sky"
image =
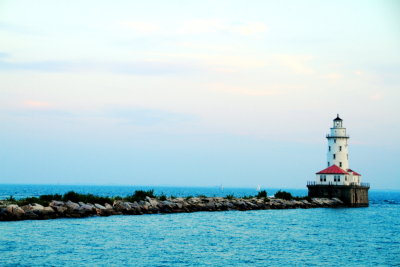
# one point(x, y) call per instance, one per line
point(204, 93)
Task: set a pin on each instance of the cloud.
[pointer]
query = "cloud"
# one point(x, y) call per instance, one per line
point(35, 108)
point(376, 96)
point(140, 26)
point(358, 72)
point(297, 63)
point(145, 67)
point(245, 91)
point(251, 28)
point(147, 116)
point(199, 26)
point(332, 76)
point(36, 104)
point(4, 55)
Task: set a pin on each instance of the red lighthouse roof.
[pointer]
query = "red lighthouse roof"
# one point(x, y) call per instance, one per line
point(354, 173)
point(333, 170)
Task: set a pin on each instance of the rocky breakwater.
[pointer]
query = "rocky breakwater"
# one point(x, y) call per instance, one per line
point(69, 209)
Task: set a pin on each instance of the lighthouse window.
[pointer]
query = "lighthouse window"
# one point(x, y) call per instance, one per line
point(329, 148)
point(334, 156)
point(334, 140)
point(339, 179)
point(340, 164)
point(340, 148)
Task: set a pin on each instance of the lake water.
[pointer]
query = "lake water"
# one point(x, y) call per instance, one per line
point(332, 237)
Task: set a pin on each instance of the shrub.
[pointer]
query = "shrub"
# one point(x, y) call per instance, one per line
point(202, 196)
point(11, 199)
point(229, 197)
point(29, 200)
point(162, 197)
point(86, 198)
point(262, 194)
point(189, 197)
point(141, 195)
point(283, 195)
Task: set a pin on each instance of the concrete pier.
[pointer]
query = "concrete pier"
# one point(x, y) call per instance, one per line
point(351, 195)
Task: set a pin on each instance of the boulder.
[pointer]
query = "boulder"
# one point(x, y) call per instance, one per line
point(4, 214)
point(100, 207)
point(121, 206)
point(30, 215)
point(47, 211)
point(60, 209)
point(85, 208)
point(152, 202)
point(15, 211)
point(55, 203)
point(72, 205)
point(37, 207)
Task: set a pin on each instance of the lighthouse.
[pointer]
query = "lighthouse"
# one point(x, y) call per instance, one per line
point(337, 179)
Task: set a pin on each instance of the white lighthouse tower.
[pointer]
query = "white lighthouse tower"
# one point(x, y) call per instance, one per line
point(338, 153)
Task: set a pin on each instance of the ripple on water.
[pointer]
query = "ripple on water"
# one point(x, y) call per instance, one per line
point(333, 237)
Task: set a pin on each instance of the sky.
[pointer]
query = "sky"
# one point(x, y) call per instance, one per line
point(197, 93)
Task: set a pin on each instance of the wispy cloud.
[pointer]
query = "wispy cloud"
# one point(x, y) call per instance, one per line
point(376, 96)
point(197, 26)
point(251, 28)
point(246, 91)
point(297, 63)
point(37, 108)
point(146, 67)
point(140, 26)
point(37, 104)
point(147, 116)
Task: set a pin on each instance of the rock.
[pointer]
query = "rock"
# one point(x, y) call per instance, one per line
point(100, 207)
point(31, 215)
point(48, 210)
point(152, 202)
point(108, 206)
point(122, 206)
point(27, 207)
point(86, 208)
point(55, 203)
point(37, 207)
point(15, 211)
point(72, 205)
point(60, 209)
point(4, 214)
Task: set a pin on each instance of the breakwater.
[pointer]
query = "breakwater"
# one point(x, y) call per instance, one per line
point(69, 209)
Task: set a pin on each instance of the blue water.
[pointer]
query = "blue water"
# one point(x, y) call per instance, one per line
point(332, 237)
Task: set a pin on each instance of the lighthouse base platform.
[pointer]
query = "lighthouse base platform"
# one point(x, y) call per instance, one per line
point(351, 195)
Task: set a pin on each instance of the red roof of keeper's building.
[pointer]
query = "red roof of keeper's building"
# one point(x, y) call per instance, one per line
point(332, 170)
point(354, 173)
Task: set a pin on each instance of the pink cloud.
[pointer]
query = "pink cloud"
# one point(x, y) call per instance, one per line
point(36, 104)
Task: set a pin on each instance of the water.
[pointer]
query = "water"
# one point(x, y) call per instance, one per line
point(22, 191)
point(333, 237)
